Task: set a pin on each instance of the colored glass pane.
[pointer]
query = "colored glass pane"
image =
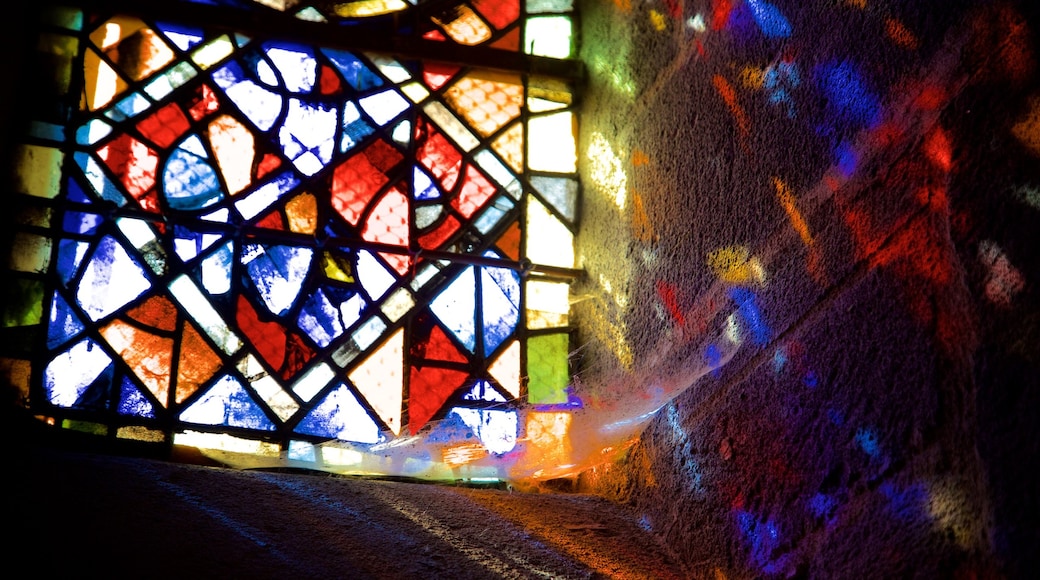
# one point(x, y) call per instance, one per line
point(259, 245)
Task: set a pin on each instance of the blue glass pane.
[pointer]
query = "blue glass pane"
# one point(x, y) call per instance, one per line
point(353, 70)
point(493, 214)
point(228, 403)
point(129, 107)
point(296, 65)
point(189, 243)
point(423, 186)
point(79, 377)
point(132, 402)
point(500, 289)
point(64, 324)
point(182, 37)
point(98, 180)
point(384, 107)
point(110, 280)
point(189, 182)
point(319, 318)
point(214, 273)
point(76, 193)
point(374, 277)
point(455, 307)
point(560, 192)
point(483, 391)
point(354, 127)
point(452, 429)
point(81, 223)
point(70, 256)
point(497, 430)
point(308, 135)
point(278, 273)
point(341, 416)
point(260, 105)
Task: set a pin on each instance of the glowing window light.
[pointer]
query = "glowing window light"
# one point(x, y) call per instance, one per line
point(235, 137)
point(549, 36)
point(553, 243)
point(551, 143)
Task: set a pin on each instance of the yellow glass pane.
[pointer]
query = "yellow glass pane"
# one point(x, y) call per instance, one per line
point(551, 143)
point(38, 171)
point(136, 49)
point(139, 433)
point(487, 102)
point(548, 304)
point(554, 243)
point(29, 253)
point(415, 92)
point(233, 146)
point(62, 50)
point(212, 52)
point(466, 27)
point(506, 369)
point(369, 7)
point(101, 82)
point(398, 304)
point(338, 268)
point(380, 379)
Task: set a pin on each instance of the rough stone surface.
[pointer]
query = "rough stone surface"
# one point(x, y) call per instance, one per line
point(858, 367)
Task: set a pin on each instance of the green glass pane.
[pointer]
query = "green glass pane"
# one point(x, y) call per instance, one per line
point(548, 375)
point(23, 303)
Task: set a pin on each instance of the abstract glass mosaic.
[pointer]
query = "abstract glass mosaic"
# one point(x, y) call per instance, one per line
point(295, 251)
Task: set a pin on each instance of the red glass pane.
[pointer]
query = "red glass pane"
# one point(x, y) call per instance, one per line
point(428, 389)
point(165, 126)
point(434, 239)
point(133, 162)
point(203, 103)
point(438, 155)
point(356, 181)
point(157, 312)
point(267, 337)
point(476, 190)
point(500, 13)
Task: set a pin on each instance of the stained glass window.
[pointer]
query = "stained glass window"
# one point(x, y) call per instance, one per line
point(290, 241)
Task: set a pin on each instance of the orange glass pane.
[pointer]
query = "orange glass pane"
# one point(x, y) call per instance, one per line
point(510, 145)
point(149, 356)
point(233, 146)
point(196, 365)
point(302, 212)
point(466, 27)
point(487, 103)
